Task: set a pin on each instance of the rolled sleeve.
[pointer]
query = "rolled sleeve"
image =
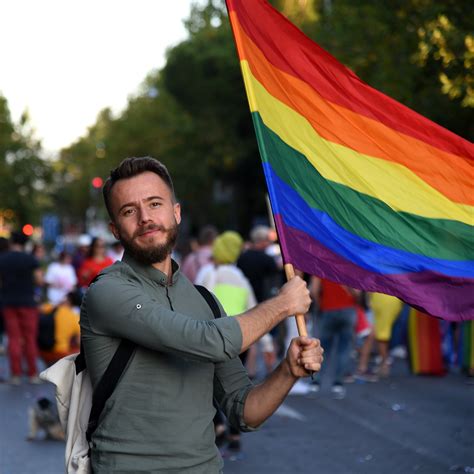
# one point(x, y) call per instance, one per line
point(231, 388)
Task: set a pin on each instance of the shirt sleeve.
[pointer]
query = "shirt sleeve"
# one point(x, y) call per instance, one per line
point(231, 388)
point(123, 310)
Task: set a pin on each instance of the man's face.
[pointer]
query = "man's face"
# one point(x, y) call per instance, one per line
point(145, 217)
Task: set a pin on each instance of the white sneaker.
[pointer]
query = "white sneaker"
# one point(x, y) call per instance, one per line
point(399, 352)
point(35, 380)
point(338, 391)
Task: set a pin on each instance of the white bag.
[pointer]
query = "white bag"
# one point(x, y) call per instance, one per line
point(74, 402)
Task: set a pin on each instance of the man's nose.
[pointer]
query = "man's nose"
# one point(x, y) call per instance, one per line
point(144, 215)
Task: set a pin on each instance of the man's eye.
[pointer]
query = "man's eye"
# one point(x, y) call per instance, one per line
point(128, 212)
point(155, 204)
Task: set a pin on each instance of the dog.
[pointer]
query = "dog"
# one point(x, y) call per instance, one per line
point(43, 416)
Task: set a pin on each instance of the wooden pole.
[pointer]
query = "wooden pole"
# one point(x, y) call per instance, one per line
point(300, 322)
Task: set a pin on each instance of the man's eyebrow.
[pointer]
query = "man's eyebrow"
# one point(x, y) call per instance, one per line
point(152, 198)
point(133, 203)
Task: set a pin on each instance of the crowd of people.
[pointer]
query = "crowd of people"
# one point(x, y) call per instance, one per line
point(37, 288)
point(40, 299)
point(361, 332)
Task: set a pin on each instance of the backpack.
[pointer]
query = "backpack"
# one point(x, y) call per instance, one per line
point(79, 407)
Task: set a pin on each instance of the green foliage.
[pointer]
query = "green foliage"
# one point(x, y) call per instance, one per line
point(24, 174)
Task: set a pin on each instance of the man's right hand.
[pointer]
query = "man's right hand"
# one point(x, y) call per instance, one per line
point(295, 296)
point(292, 299)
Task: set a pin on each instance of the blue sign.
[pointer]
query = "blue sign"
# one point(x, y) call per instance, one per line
point(50, 225)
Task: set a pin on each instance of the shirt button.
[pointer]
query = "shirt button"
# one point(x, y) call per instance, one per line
point(138, 306)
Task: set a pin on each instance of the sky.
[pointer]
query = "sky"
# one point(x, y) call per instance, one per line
point(65, 60)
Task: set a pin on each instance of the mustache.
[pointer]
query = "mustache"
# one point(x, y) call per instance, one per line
point(150, 227)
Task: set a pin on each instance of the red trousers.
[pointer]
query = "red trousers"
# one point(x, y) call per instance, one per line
point(21, 324)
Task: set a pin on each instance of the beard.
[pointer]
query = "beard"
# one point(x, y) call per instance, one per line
point(155, 253)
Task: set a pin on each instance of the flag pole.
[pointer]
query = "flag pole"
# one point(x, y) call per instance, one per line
point(300, 321)
point(289, 270)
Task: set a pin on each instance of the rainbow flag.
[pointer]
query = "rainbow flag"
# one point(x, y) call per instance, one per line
point(364, 191)
point(424, 344)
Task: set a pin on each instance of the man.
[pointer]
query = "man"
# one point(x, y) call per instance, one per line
point(159, 418)
point(19, 273)
point(259, 267)
point(336, 322)
point(264, 275)
point(202, 255)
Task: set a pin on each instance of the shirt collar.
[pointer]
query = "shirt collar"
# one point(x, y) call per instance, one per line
point(151, 272)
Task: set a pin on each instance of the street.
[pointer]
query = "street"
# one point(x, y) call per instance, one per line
point(399, 425)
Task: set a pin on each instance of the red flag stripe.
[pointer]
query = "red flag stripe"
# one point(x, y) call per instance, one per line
point(334, 81)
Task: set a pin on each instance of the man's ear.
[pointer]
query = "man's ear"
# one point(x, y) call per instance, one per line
point(177, 212)
point(114, 230)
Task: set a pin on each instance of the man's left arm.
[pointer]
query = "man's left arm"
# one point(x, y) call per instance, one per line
point(304, 356)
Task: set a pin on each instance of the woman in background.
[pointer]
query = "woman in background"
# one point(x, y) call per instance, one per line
point(96, 261)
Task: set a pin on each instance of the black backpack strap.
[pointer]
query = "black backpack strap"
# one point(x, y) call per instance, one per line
point(80, 361)
point(108, 382)
point(210, 300)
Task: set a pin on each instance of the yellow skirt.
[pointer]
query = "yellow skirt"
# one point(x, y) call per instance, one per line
point(386, 309)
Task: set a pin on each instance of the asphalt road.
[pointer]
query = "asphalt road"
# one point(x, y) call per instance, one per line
point(400, 425)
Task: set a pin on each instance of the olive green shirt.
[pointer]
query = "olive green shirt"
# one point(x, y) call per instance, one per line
point(160, 417)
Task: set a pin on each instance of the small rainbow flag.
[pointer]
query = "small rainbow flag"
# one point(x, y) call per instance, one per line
point(364, 191)
point(424, 344)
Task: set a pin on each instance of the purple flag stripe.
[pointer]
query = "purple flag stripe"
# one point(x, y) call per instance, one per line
point(454, 294)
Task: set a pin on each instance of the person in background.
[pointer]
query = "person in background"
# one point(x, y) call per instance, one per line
point(80, 255)
point(364, 340)
point(116, 251)
point(386, 309)
point(65, 328)
point(261, 270)
point(60, 278)
point(202, 255)
point(336, 322)
point(96, 261)
point(19, 272)
point(39, 252)
point(257, 266)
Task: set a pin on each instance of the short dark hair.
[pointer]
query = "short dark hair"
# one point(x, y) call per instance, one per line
point(18, 238)
point(132, 167)
point(207, 235)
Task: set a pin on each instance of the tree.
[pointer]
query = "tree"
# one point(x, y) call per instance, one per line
point(24, 174)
